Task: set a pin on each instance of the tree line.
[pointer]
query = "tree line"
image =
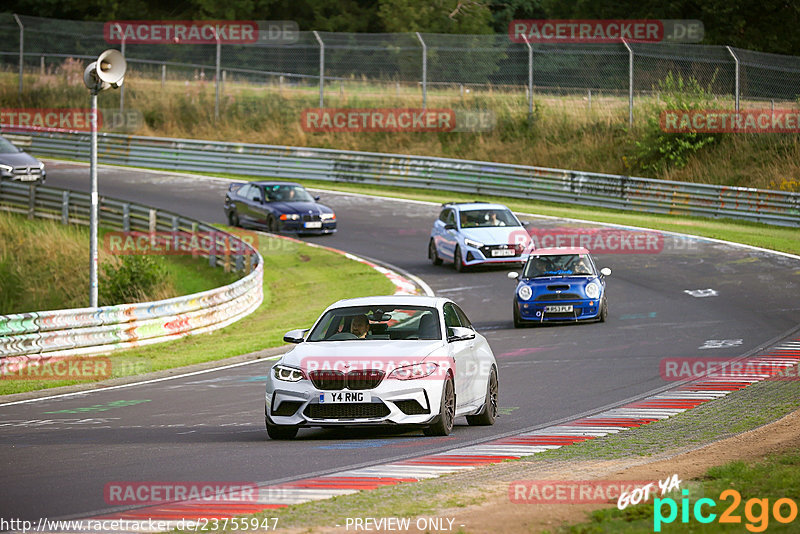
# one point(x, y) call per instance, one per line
point(762, 25)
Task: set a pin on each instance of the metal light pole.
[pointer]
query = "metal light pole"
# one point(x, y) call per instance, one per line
point(93, 256)
point(107, 72)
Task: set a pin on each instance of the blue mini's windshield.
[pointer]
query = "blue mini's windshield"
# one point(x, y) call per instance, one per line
point(558, 265)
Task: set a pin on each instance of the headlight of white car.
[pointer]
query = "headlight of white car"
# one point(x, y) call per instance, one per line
point(411, 372)
point(288, 374)
point(5, 170)
point(525, 292)
point(593, 290)
point(472, 243)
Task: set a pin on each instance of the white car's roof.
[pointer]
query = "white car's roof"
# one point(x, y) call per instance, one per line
point(394, 300)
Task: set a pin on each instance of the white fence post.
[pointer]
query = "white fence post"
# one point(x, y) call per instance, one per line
point(630, 82)
point(736, 88)
point(321, 70)
point(424, 71)
point(21, 50)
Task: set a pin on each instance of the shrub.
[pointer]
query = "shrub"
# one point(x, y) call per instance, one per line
point(658, 150)
point(132, 279)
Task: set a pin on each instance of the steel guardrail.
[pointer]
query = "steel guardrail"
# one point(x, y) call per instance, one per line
point(464, 176)
point(29, 336)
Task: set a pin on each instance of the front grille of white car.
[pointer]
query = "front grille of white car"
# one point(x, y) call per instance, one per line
point(354, 380)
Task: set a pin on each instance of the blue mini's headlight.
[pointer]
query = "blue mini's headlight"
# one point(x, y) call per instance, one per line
point(593, 290)
point(525, 292)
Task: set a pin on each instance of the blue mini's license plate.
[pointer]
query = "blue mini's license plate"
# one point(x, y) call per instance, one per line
point(345, 396)
point(562, 308)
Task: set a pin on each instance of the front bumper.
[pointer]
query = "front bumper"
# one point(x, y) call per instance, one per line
point(583, 310)
point(393, 402)
point(297, 227)
point(482, 256)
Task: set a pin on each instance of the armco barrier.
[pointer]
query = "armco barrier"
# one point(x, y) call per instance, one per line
point(465, 176)
point(27, 336)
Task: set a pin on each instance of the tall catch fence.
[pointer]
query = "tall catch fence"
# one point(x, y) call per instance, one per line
point(417, 64)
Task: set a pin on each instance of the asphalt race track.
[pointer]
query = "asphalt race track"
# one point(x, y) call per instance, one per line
point(58, 454)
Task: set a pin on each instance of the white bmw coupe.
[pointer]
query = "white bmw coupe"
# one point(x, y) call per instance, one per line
point(393, 360)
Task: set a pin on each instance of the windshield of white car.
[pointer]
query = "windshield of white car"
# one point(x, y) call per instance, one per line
point(287, 193)
point(558, 265)
point(487, 218)
point(6, 147)
point(378, 322)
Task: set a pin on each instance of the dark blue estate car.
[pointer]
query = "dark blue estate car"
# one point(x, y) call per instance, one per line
point(277, 207)
point(558, 285)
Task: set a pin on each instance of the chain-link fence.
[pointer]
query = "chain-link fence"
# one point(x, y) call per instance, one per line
point(410, 65)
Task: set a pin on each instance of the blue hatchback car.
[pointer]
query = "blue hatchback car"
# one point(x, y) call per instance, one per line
point(560, 285)
point(477, 233)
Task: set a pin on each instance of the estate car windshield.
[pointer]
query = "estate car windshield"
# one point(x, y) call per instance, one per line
point(378, 322)
point(487, 218)
point(558, 265)
point(287, 193)
point(7, 147)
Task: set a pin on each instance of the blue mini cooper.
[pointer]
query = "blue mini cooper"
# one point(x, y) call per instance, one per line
point(560, 285)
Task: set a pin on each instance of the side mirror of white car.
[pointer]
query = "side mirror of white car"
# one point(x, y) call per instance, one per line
point(513, 275)
point(459, 333)
point(605, 271)
point(295, 336)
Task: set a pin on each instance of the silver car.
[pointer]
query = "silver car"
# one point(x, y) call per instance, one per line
point(17, 165)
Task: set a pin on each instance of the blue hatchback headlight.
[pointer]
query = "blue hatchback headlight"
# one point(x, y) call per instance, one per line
point(592, 290)
point(525, 292)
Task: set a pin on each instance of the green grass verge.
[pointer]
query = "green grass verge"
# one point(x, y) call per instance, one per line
point(299, 282)
point(776, 477)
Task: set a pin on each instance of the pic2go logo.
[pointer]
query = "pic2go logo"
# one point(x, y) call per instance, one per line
point(758, 520)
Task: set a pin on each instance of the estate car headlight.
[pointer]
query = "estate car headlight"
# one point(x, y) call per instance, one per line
point(327, 216)
point(592, 290)
point(525, 292)
point(289, 217)
point(288, 374)
point(472, 243)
